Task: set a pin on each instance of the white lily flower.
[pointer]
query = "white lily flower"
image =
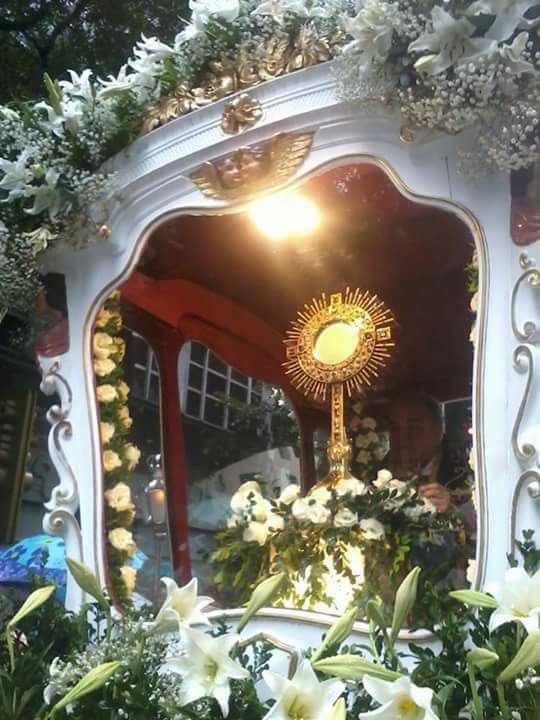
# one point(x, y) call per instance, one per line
point(17, 176)
point(303, 697)
point(372, 31)
point(182, 607)
point(207, 668)
point(448, 43)
point(399, 700)
point(278, 9)
point(508, 15)
point(80, 86)
point(201, 13)
point(115, 85)
point(518, 600)
point(46, 196)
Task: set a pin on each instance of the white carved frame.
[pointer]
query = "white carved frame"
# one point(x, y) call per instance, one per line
point(153, 184)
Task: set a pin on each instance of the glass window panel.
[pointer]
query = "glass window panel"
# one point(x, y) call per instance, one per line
point(238, 392)
point(215, 384)
point(239, 377)
point(153, 390)
point(193, 404)
point(137, 382)
point(198, 353)
point(214, 412)
point(216, 364)
point(195, 379)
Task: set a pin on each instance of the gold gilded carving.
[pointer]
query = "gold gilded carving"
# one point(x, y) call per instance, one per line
point(274, 57)
point(252, 170)
point(239, 114)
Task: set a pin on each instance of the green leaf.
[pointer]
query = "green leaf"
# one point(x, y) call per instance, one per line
point(339, 632)
point(32, 602)
point(87, 581)
point(405, 599)
point(353, 667)
point(527, 656)
point(262, 594)
point(474, 598)
point(93, 680)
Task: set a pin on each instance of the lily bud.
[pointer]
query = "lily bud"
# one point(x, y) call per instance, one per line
point(353, 667)
point(339, 632)
point(405, 599)
point(32, 602)
point(87, 581)
point(374, 612)
point(93, 680)
point(482, 658)
point(260, 597)
point(527, 656)
point(474, 598)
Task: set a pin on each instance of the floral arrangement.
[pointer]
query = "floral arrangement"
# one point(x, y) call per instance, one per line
point(369, 446)
point(445, 65)
point(120, 457)
point(354, 537)
point(176, 665)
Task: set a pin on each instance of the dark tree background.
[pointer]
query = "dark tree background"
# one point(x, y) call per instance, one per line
point(38, 36)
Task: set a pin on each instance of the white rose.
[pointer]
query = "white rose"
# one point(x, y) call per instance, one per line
point(275, 522)
point(260, 510)
point(289, 494)
point(119, 497)
point(318, 514)
point(106, 430)
point(474, 302)
point(122, 539)
point(321, 494)
point(119, 348)
point(369, 423)
point(397, 487)
point(372, 529)
point(111, 460)
point(300, 509)
point(383, 478)
point(132, 455)
point(234, 520)
point(345, 518)
point(350, 485)
point(372, 438)
point(103, 345)
point(256, 532)
point(123, 390)
point(361, 441)
point(106, 393)
point(250, 491)
point(129, 577)
point(471, 570)
point(103, 317)
point(104, 367)
point(363, 457)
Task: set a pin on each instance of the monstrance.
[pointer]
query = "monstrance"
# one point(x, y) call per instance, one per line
point(342, 343)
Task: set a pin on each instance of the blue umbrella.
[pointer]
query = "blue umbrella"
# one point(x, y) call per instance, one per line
point(42, 555)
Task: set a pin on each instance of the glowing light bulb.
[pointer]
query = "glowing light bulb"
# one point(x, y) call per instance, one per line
point(278, 216)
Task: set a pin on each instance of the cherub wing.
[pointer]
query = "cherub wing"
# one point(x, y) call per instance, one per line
point(287, 153)
point(206, 178)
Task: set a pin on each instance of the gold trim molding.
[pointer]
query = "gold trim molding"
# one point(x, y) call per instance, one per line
point(250, 171)
point(240, 114)
point(275, 57)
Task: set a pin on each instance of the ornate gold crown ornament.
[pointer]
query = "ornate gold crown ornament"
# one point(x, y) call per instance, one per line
point(340, 343)
point(250, 171)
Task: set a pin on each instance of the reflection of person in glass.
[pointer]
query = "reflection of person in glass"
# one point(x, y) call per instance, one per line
point(418, 449)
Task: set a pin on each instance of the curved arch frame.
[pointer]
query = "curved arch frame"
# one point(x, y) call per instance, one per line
point(154, 185)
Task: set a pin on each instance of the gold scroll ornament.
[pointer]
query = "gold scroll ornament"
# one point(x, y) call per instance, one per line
point(340, 344)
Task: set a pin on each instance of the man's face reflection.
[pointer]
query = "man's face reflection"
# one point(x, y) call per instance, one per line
point(415, 436)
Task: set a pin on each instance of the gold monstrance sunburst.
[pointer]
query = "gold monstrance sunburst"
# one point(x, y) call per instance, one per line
point(342, 343)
